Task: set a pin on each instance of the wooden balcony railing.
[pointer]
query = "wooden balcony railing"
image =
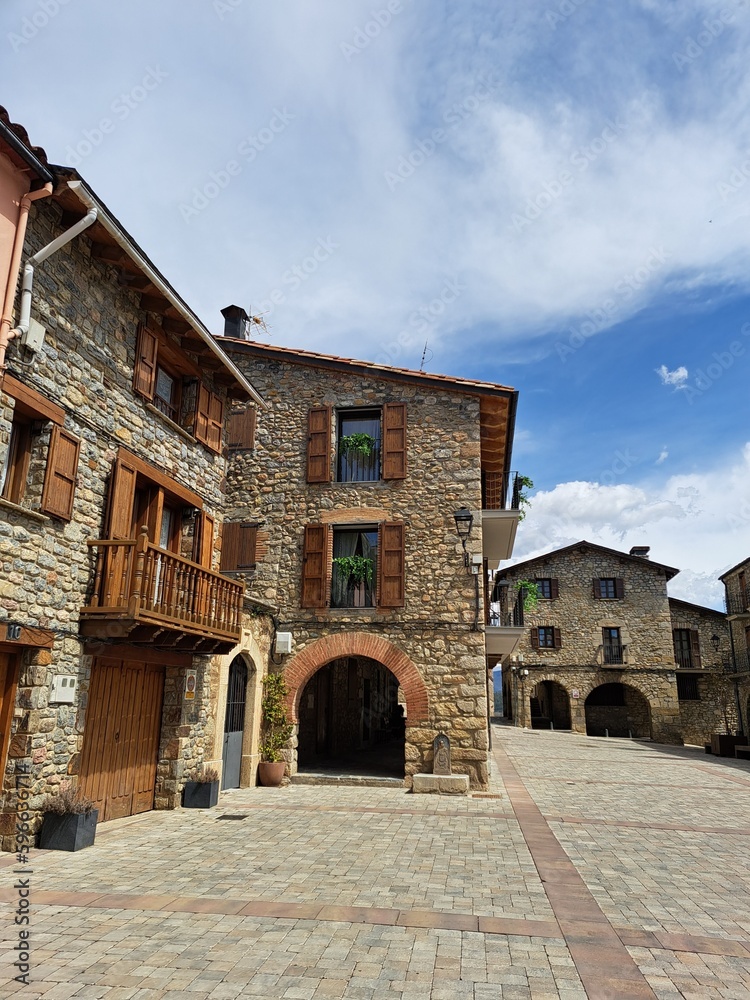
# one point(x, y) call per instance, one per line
point(136, 579)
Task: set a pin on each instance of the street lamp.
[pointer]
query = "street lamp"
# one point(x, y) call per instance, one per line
point(715, 642)
point(464, 520)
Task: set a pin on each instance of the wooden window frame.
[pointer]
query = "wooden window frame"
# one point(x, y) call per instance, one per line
point(618, 588)
point(17, 460)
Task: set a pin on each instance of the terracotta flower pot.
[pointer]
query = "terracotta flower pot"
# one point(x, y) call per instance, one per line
point(271, 772)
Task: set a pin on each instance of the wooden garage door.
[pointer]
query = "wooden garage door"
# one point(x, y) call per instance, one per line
point(121, 739)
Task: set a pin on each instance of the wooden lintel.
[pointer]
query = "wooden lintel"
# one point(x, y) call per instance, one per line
point(41, 638)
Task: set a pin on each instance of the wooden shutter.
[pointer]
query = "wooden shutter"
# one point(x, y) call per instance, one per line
point(319, 445)
point(597, 588)
point(313, 567)
point(394, 441)
point(203, 540)
point(215, 422)
point(241, 429)
point(144, 374)
point(121, 498)
point(554, 589)
point(695, 648)
point(209, 417)
point(557, 638)
point(535, 638)
point(619, 588)
point(60, 478)
point(391, 591)
point(238, 546)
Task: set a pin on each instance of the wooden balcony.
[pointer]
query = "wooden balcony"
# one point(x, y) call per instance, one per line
point(146, 594)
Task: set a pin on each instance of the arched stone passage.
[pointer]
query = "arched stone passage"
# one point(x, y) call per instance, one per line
point(332, 647)
point(550, 706)
point(617, 709)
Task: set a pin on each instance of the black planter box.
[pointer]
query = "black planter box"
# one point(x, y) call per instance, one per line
point(200, 794)
point(68, 831)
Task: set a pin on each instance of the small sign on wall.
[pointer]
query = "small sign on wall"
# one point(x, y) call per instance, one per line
point(191, 682)
point(575, 693)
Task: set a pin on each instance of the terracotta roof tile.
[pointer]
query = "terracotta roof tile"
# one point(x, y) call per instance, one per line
point(23, 136)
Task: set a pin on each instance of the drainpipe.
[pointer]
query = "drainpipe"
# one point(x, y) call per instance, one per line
point(15, 266)
point(28, 272)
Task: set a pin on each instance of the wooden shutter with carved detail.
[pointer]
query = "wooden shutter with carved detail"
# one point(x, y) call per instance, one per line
point(535, 638)
point(144, 374)
point(241, 429)
point(209, 417)
point(391, 590)
point(203, 539)
point(121, 497)
point(60, 477)
point(238, 544)
point(313, 566)
point(319, 445)
point(394, 441)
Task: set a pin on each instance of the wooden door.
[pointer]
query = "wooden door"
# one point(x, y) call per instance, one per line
point(7, 701)
point(121, 739)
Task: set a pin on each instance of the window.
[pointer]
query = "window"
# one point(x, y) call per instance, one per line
point(687, 687)
point(370, 444)
point(358, 452)
point(686, 648)
point(352, 566)
point(158, 374)
point(547, 589)
point(355, 559)
point(546, 637)
point(608, 588)
point(24, 459)
point(612, 645)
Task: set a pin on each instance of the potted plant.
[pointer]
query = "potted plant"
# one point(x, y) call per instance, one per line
point(276, 731)
point(521, 484)
point(203, 791)
point(359, 444)
point(69, 822)
point(530, 593)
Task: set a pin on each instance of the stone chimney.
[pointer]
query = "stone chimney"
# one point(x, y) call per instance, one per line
point(235, 322)
point(641, 551)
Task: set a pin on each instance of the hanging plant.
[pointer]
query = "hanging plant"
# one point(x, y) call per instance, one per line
point(359, 444)
point(355, 569)
point(523, 483)
point(530, 594)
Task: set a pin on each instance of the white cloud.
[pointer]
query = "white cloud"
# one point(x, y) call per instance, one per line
point(663, 456)
point(698, 523)
point(676, 378)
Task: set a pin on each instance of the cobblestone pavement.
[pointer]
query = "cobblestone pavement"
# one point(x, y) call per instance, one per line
point(598, 868)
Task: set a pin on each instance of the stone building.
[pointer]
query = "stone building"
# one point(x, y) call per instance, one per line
point(737, 599)
point(606, 651)
point(347, 510)
point(118, 628)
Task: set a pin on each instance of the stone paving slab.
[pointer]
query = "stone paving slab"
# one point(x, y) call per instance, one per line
point(603, 868)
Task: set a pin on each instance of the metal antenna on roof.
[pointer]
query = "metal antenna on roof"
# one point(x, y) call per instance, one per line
point(424, 356)
point(255, 325)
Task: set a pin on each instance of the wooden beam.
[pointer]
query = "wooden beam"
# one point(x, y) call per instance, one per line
point(153, 303)
point(138, 282)
point(178, 326)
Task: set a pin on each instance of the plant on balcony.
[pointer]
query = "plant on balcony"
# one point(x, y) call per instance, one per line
point(203, 791)
point(355, 569)
point(69, 822)
point(523, 483)
point(276, 730)
point(530, 594)
point(358, 444)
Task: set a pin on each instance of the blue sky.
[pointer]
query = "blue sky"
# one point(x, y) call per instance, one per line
point(554, 194)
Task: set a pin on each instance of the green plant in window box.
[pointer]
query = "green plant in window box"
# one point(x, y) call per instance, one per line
point(530, 593)
point(358, 444)
point(523, 483)
point(355, 569)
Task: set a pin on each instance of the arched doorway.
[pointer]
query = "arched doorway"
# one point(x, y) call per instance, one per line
point(617, 710)
point(550, 706)
point(352, 718)
point(234, 723)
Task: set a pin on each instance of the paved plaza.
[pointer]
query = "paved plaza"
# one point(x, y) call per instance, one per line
point(594, 868)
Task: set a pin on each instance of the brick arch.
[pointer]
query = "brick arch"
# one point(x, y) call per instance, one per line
point(333, 647)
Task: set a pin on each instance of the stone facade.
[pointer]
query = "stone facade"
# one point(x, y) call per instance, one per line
point(660, 688)
point(85, 368)
point(430, 644)
point(646, 658)
point(737, 590)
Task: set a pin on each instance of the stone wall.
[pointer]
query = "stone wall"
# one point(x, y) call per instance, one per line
point(434, 629)
point(642, 615)
point(86, 367)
